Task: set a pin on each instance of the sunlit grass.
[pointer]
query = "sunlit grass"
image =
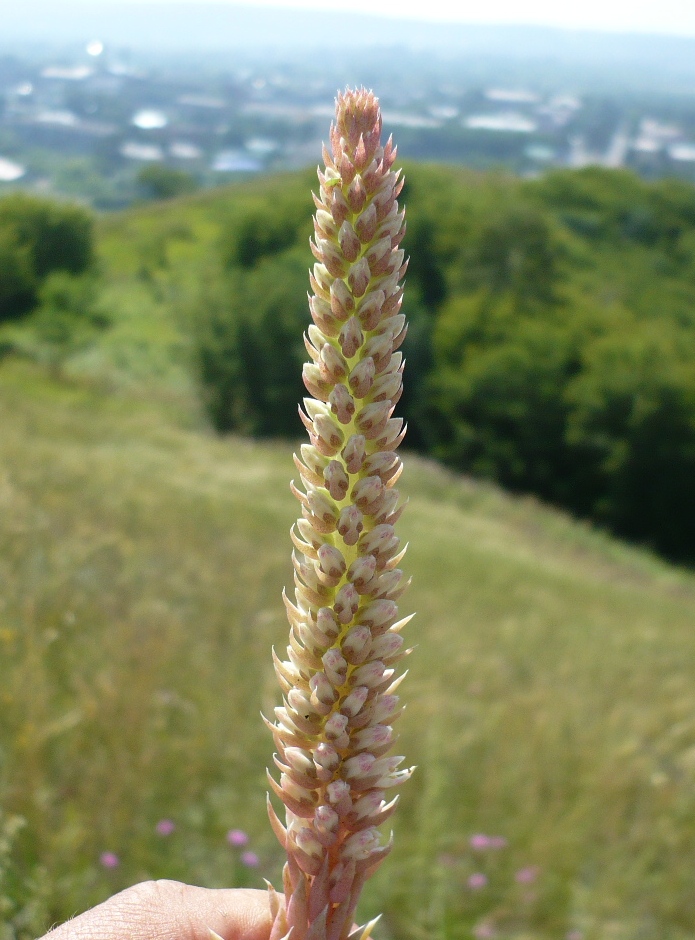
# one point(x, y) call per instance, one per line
point(550, 700)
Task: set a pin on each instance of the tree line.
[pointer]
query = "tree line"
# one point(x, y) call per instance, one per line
point(551, 344)
point(552, 327)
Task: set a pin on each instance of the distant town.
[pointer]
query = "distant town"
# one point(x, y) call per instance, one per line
point(84, 124)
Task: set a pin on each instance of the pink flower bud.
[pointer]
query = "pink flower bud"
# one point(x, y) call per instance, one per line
point(335, 726)
point(327, 622)
point(356, 646)
point(351, 337)
point(354, 452)
point(349, 242)
point(353, 703)
point(358, 278)
point(350, 524)
point(371, 420)
point(379, 615)
point(361, 572)
point(342, 301)
point(370, 674)
point(365, 226)
point(332, 365)
point(335, 666)
point(362, 377)
point(329, 438)
point(342, 404)
point(346, 603)
point(326, 756)
point(336, 480)
point(369, 312)
point(366, 491)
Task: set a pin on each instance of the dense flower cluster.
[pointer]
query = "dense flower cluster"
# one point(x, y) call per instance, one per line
point(334, 728)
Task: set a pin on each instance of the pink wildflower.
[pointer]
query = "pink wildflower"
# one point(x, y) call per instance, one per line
point(237, 838)
point(526, 876)
point(109, 860)
point(479, 842)
point(250, 859)
point(165, 827)
point(477, 880)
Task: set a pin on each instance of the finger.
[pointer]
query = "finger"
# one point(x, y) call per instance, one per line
point(169, 910)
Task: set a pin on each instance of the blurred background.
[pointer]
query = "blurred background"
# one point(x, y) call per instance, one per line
point(156, 166)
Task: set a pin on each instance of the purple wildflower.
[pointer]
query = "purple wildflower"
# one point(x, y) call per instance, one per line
point(477, 880)
point(483, 931)
point(237, 837)
point(526, 876)
point(109, 860)
point(480, 842)
point(165, 827)
point(250, 859)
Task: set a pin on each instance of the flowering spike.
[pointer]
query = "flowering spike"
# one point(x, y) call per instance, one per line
point(335, 725)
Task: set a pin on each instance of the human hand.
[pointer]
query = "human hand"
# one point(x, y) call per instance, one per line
point(169, 910)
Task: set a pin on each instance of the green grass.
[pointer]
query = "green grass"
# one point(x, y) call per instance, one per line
point(550, 698)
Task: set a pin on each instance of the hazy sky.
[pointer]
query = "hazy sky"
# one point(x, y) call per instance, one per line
point(676, 17)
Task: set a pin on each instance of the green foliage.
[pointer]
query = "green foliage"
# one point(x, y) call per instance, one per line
point(39, 236)
point(158, 181)
point(59, 236)
point(250, 347)
point(267, 227)
point(17, 282)
point(66, 320)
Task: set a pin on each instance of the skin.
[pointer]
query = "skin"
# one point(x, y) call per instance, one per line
point(169, 910)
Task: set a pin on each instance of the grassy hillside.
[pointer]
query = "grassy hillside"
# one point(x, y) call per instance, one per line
point(550, 699)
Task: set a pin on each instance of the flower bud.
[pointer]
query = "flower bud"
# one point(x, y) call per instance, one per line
point(326, 757)
point(346, 603)
point(335, 726)
point(361, 572)
point(350, 524)
point(336, 666)
point(370, 674)
point(331, 364)
point(353, 703)
point(337, 480)
point(351, 337)
point(342, 404)
point(369, 312)
point(354, 452)
point(349, 242)
point(356, 645)
point(362, 376)
point(329, 438)
point(331, 561)
point(371, 420)
point(342, 301)
point(358, 278)
point(365, 225)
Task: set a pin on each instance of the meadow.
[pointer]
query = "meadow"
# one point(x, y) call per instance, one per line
point(551, 706)
point(550, 699)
